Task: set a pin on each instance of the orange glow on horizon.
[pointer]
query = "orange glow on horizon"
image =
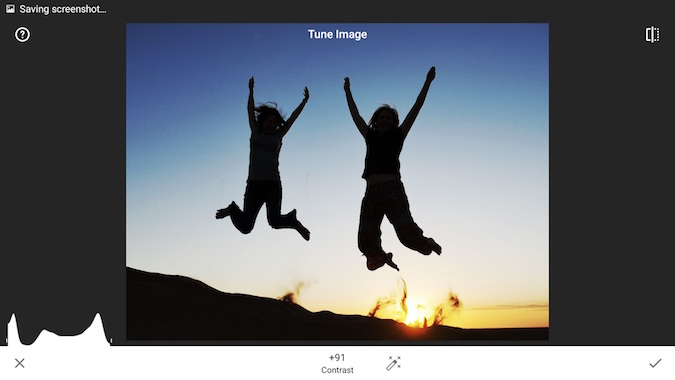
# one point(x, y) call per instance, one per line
point(479, 318)
point(482, 318)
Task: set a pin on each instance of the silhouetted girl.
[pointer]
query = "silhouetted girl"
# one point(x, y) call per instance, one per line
point(264, 182)
point(385, 194)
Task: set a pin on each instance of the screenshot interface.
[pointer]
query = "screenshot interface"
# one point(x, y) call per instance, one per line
point(347, 189)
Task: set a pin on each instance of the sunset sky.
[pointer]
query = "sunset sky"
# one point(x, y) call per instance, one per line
point(475, 165)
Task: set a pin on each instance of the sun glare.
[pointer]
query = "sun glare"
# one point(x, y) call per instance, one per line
point(416, 315)
point(412, 312)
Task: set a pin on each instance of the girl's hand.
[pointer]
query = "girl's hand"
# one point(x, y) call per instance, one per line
point(346, 83)
point(306, 94)
point(431, 74)
point(250, 84)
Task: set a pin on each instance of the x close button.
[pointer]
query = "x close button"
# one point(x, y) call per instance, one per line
point(19, 363)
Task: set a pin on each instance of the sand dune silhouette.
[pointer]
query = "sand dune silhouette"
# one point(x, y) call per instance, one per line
point(164, 307)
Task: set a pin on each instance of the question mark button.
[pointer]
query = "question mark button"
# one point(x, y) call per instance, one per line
point(22, 34)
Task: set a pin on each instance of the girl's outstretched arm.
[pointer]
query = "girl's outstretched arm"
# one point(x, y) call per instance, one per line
point(251, 106)
point(284, 129)
point(358, 120)
point(412, 115)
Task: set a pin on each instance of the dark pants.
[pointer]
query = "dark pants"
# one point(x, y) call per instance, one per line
point(257, 193)
point(388, 199)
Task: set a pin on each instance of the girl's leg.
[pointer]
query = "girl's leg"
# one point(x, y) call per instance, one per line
point(408, 232)
point(370, 234)
point(254, 197)
point(274, 216)
point(223, 212)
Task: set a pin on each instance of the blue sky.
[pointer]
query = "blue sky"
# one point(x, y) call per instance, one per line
point(475, 164)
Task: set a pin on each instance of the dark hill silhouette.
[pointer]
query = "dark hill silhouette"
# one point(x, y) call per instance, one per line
point(175, 308)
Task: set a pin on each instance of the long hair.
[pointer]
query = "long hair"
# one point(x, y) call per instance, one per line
point(263, 111)
point(373, 120)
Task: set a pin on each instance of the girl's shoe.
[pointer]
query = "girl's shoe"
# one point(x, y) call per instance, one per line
point(373, 263)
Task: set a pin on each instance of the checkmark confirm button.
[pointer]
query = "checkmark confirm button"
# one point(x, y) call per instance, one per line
point(655, 364)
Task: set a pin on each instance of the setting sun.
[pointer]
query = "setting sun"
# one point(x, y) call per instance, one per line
point(416, 315)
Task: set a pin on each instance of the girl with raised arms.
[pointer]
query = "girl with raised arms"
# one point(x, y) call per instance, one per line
point(268, 128)
point(385, 194)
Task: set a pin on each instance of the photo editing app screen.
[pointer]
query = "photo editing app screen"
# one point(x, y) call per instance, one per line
point(465, 199)
point(196, 191)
